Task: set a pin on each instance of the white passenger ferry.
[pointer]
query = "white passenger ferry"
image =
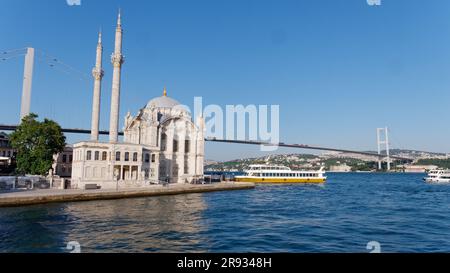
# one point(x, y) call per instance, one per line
point(280, 174)
point(438, 176)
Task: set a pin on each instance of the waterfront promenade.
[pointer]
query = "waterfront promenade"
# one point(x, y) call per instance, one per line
point(34, 197)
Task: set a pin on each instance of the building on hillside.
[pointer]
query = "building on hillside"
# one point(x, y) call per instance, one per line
point(7, 153)
point(62, 166)
point(344, 168)
point(419, 168)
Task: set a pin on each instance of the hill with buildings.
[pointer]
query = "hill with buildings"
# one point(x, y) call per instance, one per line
point(334, 161)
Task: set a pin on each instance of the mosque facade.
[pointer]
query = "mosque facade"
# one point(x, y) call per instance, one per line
point(162, 143)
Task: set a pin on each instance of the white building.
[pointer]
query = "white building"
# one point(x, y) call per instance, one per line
point(6, 151)
point(161, 142)
point(62, 163)
point(344, 168)
point(419, 168)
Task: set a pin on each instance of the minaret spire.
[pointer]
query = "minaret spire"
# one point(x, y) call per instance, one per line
point(97, 73)
point(117, 61)
point(165, 92)
point(119, 18)
point(100, 36)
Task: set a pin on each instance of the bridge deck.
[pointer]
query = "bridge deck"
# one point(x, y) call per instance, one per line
point(281, 144)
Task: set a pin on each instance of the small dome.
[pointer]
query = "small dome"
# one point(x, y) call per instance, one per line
point(162, 102)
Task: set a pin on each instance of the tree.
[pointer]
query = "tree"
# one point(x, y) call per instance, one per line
point(35, 143)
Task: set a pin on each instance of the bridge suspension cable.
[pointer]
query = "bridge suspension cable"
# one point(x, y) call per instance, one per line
point(395, 143)
point(13, 53)
point(47, 59)
point(59, 65)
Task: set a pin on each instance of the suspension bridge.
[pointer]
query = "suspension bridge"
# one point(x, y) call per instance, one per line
point(30, 54)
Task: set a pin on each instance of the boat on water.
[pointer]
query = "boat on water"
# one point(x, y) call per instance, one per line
point(438, 176)
point(280, 174)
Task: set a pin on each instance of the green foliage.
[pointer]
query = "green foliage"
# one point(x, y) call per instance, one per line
point(364, 167)
point(441, 163)
point(36, 143)
point(231, 163)
point(347, 160)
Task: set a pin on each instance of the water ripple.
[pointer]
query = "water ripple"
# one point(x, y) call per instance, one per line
point(398, 210)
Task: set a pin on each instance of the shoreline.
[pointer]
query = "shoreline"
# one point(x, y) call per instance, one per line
point(38, 197)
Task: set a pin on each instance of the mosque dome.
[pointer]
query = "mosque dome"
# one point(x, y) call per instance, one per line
point(162, 102)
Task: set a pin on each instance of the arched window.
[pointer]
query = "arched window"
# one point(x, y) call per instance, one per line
point(175, 146)
point(163, 142)
point(153, 158)
point(127, 156)
point(117, 156)
point(135, 157)
point(187, 146)
point(88, 155)
point(97, 155)
point(104, 156)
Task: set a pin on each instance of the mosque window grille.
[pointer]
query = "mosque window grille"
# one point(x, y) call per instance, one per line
point(175, 171)
point(163, 142)
point(186, 167)
point(187, 146)
point(175, 146)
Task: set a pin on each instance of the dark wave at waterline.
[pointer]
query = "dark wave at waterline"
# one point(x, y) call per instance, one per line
point(399, 211)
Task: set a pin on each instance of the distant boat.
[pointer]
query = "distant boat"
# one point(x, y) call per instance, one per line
point(280, 174)
point(438, 176)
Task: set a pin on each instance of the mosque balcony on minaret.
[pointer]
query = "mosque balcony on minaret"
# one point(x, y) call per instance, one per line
point(117, 59)
point(97, 73)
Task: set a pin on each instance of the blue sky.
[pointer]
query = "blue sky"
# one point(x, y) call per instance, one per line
point(338, 69)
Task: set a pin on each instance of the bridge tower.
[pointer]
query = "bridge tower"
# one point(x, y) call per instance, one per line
point(383, 141)
point(27, 83)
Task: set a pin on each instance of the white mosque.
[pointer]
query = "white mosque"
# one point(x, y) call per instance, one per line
point(161, 143)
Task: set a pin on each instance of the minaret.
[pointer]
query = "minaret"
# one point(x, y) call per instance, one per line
point(117, 61)
point(97, 73)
